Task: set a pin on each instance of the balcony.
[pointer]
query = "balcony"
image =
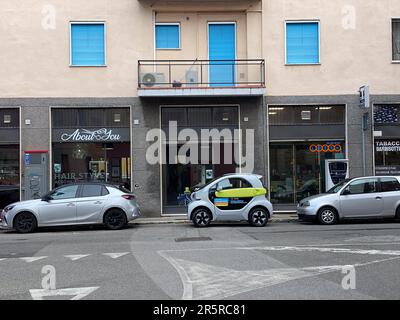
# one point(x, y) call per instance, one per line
point(201, 78)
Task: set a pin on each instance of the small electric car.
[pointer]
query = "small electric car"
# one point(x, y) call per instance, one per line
point(233, 197)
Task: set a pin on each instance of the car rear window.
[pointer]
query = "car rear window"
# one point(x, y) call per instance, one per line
point(92, 190)
point(389, 184)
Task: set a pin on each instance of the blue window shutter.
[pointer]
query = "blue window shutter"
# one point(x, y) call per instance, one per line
point(222, 46)
point(87, 45)
point(302, 43)
point(167, 36)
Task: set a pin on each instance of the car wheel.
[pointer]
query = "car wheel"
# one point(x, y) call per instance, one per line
point(115, 219)
point(25, 222)
point(327, 216)
point(258, 217)
point(201, 218)
point(397, 217)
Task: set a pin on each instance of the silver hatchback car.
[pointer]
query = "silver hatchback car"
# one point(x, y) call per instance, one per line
point(73, 204)
point(365, 197)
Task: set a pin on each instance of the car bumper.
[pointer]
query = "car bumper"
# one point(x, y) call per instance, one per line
point(134, 213)
point(306, 213)
point(4, 225)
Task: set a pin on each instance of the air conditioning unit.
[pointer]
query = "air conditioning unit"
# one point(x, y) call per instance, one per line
point(152, 79)
point(191, 78)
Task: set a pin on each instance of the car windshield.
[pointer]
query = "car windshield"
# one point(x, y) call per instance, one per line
point(200, 186)
point(337, 187)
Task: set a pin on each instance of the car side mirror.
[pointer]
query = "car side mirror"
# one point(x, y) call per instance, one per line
point(46, 198)
point(345, 192)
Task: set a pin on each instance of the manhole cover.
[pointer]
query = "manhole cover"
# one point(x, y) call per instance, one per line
point(193, 239)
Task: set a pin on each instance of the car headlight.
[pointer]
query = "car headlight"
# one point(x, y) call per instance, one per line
point(305, 204)
point(8, 208)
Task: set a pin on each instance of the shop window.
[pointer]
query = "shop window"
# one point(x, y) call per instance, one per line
point(197, 117)
point(389, 185)
point(225, 116)
point(174, 114)
point(386, 114)
point(293, 115)
point(88, 44)
point(90, 117)
point(167, 35)
point(331, 114)
point(396, 39)
point(9, 118)
point(302, 42)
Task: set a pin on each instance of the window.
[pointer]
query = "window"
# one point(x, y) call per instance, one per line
point(386, 114)
point(167, 36)
point(68, 192)
point(362, 186)
point(389, 184)
point(302, 42)
point(233, 183)
point(294, 115)
point(88, 44)
point(92, 190)
point(396, 39)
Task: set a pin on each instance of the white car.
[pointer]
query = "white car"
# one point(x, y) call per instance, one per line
point(358, 198)
point(73, 204)
point(233, 197)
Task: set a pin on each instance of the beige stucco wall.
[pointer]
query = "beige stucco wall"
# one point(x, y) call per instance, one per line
point(34, 62)
point(349, 57)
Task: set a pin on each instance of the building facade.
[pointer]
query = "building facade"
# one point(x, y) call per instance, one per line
point(84, 84)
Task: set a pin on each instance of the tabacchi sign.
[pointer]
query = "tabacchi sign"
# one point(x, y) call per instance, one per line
point(87, 135)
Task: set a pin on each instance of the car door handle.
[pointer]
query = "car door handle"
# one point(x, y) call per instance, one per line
point(378, 198)
point(98, 202)
point(71, 204)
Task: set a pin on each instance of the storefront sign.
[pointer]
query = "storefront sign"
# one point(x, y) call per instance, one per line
point(91, 135)
point(387, 170)
point(387, 146)
point(87, 135)
point(318, 148)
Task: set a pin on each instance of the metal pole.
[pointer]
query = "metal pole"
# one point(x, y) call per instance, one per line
point(363, 146)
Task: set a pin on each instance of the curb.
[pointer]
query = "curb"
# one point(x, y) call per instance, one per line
point(146, 221)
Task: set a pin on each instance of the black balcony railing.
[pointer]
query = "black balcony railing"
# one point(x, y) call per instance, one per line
point(248, 73)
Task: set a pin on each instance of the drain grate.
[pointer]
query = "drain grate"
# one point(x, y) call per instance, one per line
point(187, 239)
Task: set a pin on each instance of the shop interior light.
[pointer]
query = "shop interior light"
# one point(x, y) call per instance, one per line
point(276, 108)
point(325, 108)
point(108, 146)
point(272, 113)
point(117, 117)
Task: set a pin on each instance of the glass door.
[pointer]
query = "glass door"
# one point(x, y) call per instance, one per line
point(282, 174)
point(308, 172)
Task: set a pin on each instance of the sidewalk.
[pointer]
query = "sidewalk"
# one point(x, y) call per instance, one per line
point(276, 218)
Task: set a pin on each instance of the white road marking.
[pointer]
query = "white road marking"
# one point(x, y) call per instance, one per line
point(115, 255)
point(77, 293)
point(32, 259)
point(331, 250)
point(386, 238)
point(204, 281)
point(75, 257)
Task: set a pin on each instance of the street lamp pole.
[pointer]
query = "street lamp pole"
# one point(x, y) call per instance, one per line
point(364, 105)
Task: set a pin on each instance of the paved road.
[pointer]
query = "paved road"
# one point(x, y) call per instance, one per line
point(177, 261)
